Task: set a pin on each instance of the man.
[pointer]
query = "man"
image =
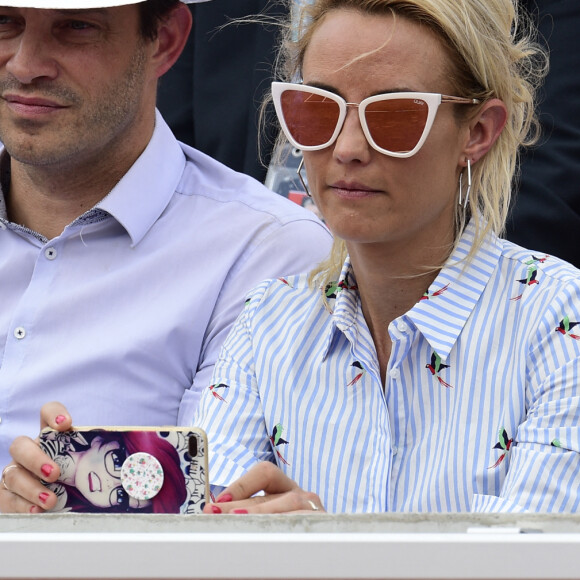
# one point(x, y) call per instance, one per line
point(125, 256)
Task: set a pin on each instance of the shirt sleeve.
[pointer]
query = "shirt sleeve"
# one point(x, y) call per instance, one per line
point(544, 458)
point(230, 410)
point(293, 248)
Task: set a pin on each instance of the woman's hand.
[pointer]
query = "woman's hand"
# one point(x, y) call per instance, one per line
point(20, 487)
point(281, 494)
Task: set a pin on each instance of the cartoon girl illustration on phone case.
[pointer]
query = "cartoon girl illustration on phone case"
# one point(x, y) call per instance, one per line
point(90, 464)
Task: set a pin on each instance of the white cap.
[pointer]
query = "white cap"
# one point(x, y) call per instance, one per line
point(76, 4)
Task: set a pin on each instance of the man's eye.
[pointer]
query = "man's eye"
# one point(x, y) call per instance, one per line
point(7, 20)
point(79, 25)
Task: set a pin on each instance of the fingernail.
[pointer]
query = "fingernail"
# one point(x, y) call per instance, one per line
point(34, 509)
point(46, 469)
point(43, 496)
point(225, 498)
point(216, 509)
point(60, 419)
point(239, 511)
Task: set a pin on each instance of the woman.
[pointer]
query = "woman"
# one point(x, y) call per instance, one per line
point(428, 365)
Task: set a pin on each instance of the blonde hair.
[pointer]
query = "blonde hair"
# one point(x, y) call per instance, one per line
point(494, 54)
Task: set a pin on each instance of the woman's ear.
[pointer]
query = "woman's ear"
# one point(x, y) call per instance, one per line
point(172, 35)
point(485, 128)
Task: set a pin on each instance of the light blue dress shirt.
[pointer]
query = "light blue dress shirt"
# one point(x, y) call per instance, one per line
point(121, 317)
point(481, 407)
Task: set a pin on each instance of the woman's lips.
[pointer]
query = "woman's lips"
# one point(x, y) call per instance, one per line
point(353, 189)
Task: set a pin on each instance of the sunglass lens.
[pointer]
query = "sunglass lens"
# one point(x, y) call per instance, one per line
point(311, 119)
point(397, 124)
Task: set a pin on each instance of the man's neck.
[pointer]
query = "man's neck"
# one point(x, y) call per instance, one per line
point(46, 200)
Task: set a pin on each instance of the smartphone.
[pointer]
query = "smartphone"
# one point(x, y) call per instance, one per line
point(129, 469)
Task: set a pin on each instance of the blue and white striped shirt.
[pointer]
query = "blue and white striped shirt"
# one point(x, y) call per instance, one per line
point(481, 408)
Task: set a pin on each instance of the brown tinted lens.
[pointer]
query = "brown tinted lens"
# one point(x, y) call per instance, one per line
point(397, 124)
point(311, 119)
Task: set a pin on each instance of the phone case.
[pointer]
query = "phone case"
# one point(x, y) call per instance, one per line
point(129, 469)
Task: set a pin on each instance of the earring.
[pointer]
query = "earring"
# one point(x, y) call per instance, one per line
point(464, 203)
point(302, 179)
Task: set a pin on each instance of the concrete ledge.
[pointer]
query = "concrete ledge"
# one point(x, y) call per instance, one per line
point(317, 546)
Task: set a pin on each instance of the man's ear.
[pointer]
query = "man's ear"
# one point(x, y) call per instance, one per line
point(485, 128)
point(171, 38)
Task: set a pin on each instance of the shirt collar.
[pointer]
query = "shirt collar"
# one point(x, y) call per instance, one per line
point(451, 297)
point(342, 302)
point(448, 303)
point(144, 192)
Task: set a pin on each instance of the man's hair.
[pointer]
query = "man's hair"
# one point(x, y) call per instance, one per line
point(152, 12)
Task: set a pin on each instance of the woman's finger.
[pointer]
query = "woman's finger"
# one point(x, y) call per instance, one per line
point(264, 476)
point(56, 416)
point(21, 492)
point(27, 454)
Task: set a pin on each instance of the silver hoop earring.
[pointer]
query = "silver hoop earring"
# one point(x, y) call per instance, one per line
point(302, 179)
point(461, 202)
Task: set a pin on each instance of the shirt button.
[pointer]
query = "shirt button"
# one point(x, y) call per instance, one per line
point(395, 374)
point(19, 332)
point(402, 327)
point(394, 450)
point(50, 253)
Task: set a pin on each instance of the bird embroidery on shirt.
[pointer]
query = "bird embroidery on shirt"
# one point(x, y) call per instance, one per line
point(359, 375)
point(333, 288)
point(566, 326)
point(276, 439)
point(534, 260)
point(504, 443)
point(213, 388)
point(435, 367)
point(529, 280)
point(556, 443)
point(428, 294)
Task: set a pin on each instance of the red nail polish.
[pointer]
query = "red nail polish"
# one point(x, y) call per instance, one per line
point(59, 419)
point(216, 509)
point(225, 498)
point(239, 511)
point(43, 496)
point(34, 509)
point(46, 469)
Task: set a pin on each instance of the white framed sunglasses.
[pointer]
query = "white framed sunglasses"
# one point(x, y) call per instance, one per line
point(395, 124)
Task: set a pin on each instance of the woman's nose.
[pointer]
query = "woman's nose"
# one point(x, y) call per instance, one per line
point(351, 143)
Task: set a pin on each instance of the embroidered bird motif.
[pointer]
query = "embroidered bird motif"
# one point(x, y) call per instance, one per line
point(276, 439)
point(357, 365)
point(435, 367)
point(566, 326)
point(213, 388)
point(534, 260)
point(505, 444)
point(427, 295)
point(529, 280)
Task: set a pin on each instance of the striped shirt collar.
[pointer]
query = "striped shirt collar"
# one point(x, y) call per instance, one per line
point(443, 310)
